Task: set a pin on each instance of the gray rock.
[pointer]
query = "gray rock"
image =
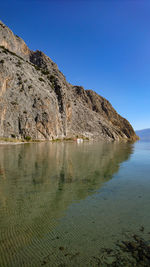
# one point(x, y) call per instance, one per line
point(37, 101)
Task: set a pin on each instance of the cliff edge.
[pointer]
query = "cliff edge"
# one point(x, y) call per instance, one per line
point(36, 101)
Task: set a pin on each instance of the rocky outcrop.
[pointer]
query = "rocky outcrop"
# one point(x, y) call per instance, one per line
point(36, 101)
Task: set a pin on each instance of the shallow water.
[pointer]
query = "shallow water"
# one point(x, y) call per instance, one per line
point(60, 203)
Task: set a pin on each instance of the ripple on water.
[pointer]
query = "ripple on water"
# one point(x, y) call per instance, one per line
point(68, 204)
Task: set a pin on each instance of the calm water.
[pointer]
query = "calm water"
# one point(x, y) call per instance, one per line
point(60, 203)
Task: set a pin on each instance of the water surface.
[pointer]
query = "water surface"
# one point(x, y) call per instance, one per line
point(60, 203)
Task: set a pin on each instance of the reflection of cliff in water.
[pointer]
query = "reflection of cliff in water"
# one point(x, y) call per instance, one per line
point(39, 181)
point(57, 173)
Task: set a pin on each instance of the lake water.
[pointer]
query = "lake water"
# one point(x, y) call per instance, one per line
point(62, 203)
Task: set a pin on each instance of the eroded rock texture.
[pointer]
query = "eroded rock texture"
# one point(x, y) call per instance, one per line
point(37, 101)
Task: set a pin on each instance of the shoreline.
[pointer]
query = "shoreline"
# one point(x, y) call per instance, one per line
point(12, 141)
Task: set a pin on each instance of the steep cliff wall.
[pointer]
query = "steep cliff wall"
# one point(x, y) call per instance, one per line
point(37, 101)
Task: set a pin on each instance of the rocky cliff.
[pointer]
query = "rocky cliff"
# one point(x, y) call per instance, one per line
point(36, 101)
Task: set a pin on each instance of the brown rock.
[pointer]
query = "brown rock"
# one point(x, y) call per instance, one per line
point(37, 101)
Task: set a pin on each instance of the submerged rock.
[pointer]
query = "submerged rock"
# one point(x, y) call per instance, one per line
point(37, 102)
point(132, 252)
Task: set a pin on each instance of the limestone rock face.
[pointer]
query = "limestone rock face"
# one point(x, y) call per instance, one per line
point(13, 42)
point(37, 101)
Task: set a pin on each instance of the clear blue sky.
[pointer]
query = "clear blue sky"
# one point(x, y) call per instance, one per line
point(102, 45)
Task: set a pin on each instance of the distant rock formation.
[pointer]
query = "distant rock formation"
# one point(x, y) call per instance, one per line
point(37, 102)
point(144, 134)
